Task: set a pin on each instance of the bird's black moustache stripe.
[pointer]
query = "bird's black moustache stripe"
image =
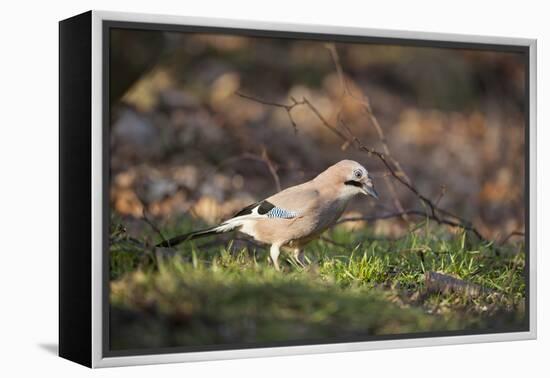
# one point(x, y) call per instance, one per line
point(354, 183)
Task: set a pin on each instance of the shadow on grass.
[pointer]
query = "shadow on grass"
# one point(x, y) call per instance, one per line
point(195, 307)
point(226, 293)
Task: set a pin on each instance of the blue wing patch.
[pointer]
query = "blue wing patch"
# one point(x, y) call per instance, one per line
point(277, 212)
point(268, 209)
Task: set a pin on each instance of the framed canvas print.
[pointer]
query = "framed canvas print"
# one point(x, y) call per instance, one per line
point(236, 189)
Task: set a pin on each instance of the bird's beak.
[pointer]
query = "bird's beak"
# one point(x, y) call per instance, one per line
point(369, 190)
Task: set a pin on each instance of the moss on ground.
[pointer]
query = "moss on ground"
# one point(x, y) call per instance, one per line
point(206, 293)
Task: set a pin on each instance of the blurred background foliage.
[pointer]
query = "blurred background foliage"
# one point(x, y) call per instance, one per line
point(454, 118)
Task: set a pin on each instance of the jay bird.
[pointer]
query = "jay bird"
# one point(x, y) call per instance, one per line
point(296, 215)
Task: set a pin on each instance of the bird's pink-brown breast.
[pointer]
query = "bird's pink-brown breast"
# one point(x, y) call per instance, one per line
point(320, 213)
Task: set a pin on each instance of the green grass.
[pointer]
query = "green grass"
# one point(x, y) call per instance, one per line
point(358, 285)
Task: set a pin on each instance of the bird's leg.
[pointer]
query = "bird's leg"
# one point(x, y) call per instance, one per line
point(299, 256)
point(274, 254)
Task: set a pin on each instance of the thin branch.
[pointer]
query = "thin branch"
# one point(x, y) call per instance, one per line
point(395, 199)
point(151, 223)
point(331, 47)
point(353, 140)
point(264, 102)
point(330, 241)
point(323, 119)
point(365, 103)
point(399, 214)
point(370, 218)
point(433, 211)
point(346, 92)
point(510, 235)
point(224, 241)
point(287, 108)
point(263, 158)
point(272, 168)
point(442, 192)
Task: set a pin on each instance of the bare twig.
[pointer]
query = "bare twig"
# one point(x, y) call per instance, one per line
point(432, 209)
point(330, 241)
point(510, 235)
point(399, 214)
point(323, 119)
point(370, 218)
point(365, 103)
point(263, 158)
point(151, 223)
point(224, 241)
point(346, 92)
point(272, 168)
point(395, 199)
point(434, 212)
point(339, 70)
point(288, 108)
point(442, 192)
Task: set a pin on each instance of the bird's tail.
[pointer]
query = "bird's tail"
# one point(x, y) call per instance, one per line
point(222, 228)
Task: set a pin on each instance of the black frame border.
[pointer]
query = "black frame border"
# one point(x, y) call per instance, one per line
point(75, 189)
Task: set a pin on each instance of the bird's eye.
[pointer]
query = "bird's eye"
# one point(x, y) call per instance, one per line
point(357, 174)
